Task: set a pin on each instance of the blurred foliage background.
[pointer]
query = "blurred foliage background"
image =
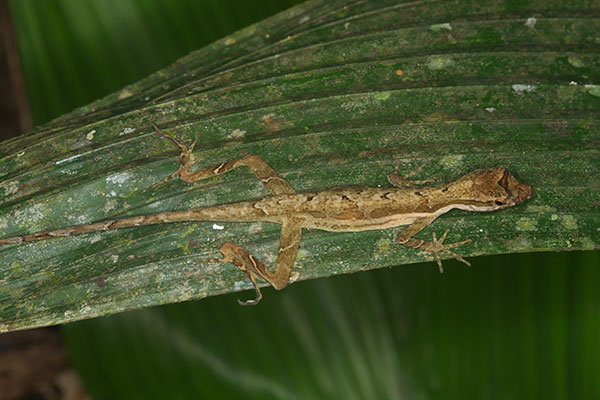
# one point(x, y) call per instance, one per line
point(522, 326)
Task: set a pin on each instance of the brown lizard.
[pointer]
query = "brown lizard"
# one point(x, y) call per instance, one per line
point(344, 209)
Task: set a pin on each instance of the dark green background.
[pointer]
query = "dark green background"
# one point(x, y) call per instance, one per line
point(510, 327)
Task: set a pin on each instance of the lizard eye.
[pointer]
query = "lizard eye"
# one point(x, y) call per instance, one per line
point(500, 203)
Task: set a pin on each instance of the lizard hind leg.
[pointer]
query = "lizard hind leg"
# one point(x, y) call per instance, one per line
point(291, 233)
point(263, 171)
point(245, 262)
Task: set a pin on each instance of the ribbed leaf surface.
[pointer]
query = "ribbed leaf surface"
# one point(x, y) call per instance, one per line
point(329, 93)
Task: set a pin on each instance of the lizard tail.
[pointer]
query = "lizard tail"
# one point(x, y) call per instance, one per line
point(174, 216)
point(243, 211)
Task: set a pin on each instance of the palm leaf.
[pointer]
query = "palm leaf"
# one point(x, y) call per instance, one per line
point(330, 94)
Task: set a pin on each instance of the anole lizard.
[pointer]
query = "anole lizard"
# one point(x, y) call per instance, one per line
point(344, 209)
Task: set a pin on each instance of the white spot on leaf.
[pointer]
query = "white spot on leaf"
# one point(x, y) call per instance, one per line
point(126, 131)
point(520, 88)
point(95, 238)
point(530, 23)
point(439, 62)
point(118, 179)
point(34, 213)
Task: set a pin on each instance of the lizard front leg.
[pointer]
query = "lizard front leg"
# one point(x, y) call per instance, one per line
point(289, 242)
point(405, 238)
point(263, 171)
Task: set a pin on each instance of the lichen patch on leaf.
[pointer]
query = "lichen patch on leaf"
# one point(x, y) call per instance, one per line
point(569, 222)
point(526, 224)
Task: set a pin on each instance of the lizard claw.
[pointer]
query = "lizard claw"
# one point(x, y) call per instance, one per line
point(256, 288)
point(250, 302)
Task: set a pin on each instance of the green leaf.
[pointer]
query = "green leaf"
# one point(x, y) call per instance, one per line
point(329, 94)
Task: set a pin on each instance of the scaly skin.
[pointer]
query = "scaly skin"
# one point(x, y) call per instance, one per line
point(345, 209)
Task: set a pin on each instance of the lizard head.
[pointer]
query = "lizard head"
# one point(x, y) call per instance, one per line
point(494, 189)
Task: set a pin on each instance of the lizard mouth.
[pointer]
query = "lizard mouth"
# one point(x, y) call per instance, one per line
point(520, 191)
point(525, 192)
point(517, 192)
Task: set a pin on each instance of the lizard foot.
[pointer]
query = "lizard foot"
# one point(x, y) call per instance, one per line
point(437, 246)
point(245, 262)
point(185, 157)
point(402, 181)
